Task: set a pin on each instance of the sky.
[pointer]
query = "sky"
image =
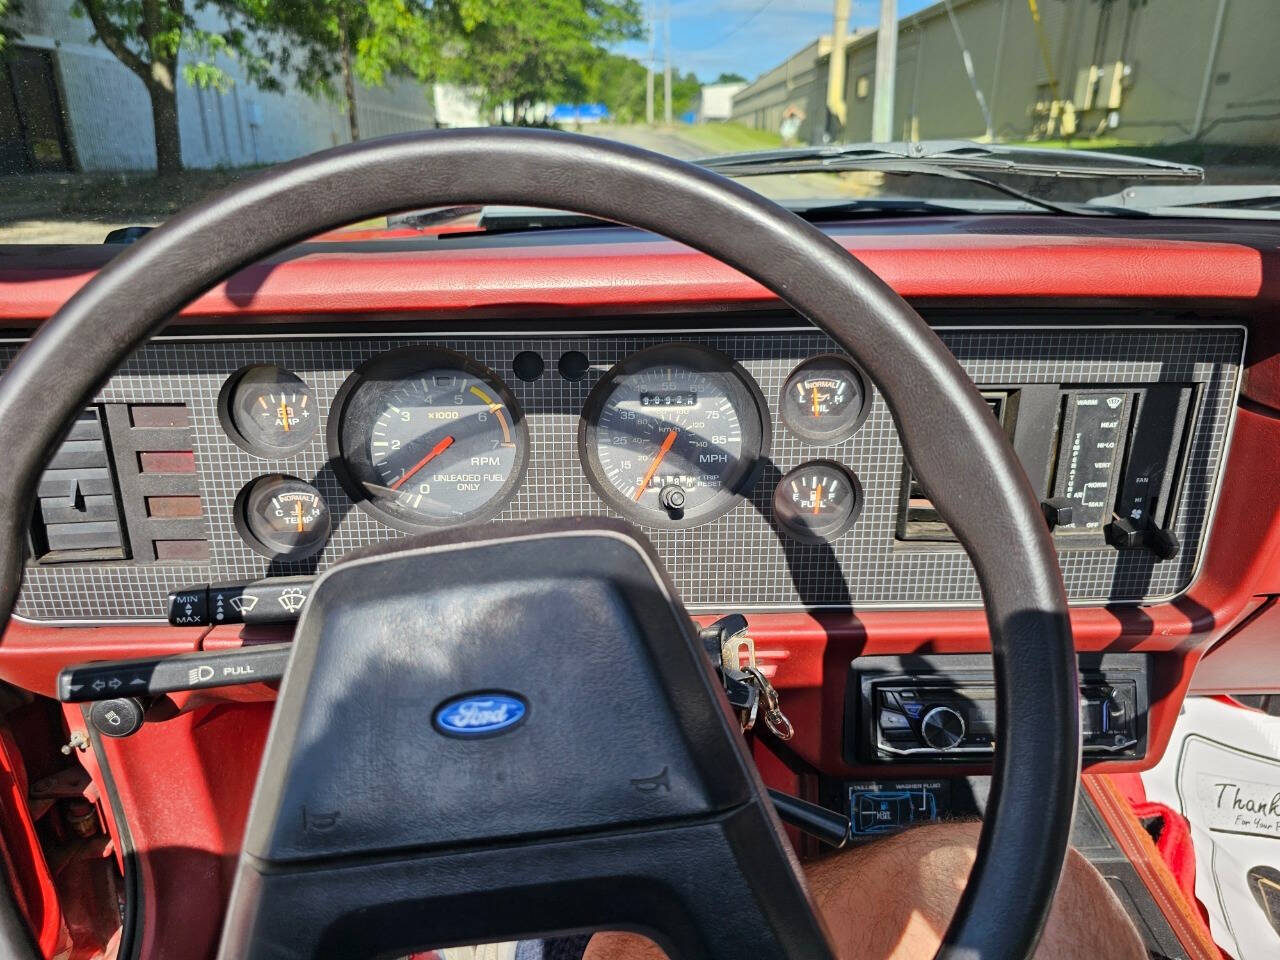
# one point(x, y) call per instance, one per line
point(748, 37)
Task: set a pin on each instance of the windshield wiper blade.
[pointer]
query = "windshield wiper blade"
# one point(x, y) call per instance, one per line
point(962, 155)
point(911, 168)
point(1204, 197)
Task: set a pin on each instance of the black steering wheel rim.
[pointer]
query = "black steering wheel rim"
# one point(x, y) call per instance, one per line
point(947, 431)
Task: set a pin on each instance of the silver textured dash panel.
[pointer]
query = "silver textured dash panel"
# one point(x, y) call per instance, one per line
point(735, 562)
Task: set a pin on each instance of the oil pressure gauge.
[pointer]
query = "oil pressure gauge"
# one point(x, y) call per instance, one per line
point(282, 518)
point(824, 400)
point(817, 501)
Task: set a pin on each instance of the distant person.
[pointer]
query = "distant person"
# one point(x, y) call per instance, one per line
point(792, 118)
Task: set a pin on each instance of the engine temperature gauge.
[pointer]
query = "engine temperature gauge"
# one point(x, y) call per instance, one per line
point(824, 400)
point(282, 517)
point(817, 501)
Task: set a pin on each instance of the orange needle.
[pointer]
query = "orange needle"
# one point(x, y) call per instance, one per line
point(298, 511)
point(284, 415)
point(438, 449)
point(653, 467)
point(817, 500)
point(815, 402)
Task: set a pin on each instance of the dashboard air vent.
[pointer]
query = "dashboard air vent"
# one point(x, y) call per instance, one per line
point(918, 518)
point(78, 517)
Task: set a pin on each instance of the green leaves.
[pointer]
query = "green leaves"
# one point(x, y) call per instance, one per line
point(516, 52)
point(270, 39)
point(523, 52)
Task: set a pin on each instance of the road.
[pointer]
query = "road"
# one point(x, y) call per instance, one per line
point(666, 141)
point(674, 142)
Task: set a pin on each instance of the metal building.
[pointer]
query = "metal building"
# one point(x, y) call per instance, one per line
point(1146, 71)
point(54, 81)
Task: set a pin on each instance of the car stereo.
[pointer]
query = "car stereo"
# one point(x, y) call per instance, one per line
point(943, 708)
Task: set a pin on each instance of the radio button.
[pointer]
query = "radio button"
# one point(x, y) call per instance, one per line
point(892, 720)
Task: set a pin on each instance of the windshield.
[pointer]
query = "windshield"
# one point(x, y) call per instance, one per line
point(114, 114)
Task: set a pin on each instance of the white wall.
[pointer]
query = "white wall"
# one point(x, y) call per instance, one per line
point(715, 101)
point(109, 113)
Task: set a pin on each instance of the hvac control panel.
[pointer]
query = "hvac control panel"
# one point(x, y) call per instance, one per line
point(1107, 462)
point(940, 709)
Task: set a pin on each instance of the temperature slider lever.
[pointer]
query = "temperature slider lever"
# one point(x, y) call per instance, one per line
point(150, 676)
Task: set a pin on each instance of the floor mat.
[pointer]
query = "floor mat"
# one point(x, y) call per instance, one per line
point(1222, 772)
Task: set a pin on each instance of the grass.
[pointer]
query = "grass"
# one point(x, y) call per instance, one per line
point(138, 196)
point(728, 137)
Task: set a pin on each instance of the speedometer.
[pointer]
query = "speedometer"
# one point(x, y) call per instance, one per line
point(427, 438)
point(674, 436)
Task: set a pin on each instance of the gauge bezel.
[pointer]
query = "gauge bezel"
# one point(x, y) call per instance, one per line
point(806, 534)
point(232, 427)
point(259, 541)
point(835, 435)
point(744, 395)
point(356, 406)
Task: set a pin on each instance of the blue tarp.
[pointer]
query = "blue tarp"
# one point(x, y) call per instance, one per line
point(579, 112)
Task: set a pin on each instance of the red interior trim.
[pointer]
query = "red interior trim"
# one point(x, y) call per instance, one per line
point(1136, 844)
point(22, 857)
point(954, 262)
point(185, 786)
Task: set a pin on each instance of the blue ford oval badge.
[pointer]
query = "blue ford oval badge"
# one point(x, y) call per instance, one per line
point(480, 714)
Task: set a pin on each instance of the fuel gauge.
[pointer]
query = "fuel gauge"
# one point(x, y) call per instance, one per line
point(282, 517)
point(817, 501)
point(824, 400)
point(268, 411)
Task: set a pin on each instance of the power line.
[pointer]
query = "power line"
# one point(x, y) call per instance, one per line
point(744, 22)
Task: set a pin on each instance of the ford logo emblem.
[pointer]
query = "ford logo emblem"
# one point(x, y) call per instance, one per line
point(480, 714)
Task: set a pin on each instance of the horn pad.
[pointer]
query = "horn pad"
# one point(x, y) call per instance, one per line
point(501, 733)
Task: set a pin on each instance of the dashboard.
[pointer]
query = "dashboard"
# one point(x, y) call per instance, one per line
point(762, 464)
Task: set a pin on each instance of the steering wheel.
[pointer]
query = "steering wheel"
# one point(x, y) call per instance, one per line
point(952, 442)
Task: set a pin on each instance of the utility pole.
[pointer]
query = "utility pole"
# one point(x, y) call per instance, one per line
point(836, 108)
point(666, 64)
point(648, 90)
point(886, 71)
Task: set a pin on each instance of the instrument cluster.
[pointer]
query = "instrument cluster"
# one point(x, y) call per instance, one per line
point(424, 438)
point(765, 471)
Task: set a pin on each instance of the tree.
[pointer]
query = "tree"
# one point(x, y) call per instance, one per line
point(309, 40)
point(619, 83)
point(525, 52)
point(727, 78)
point(7, 34)
point(366, 40)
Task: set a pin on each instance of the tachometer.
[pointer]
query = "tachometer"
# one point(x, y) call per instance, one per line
point(427, 438)
point(673, 436)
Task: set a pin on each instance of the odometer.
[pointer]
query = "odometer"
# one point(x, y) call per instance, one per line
point(428, 438)
point(674, 436)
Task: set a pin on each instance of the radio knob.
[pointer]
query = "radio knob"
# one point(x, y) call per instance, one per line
point(942, 728)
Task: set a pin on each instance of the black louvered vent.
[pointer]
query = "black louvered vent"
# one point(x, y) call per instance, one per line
point(78, 517)
point(918, 519)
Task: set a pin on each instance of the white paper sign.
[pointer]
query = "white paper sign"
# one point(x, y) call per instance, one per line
point(1222, 772)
